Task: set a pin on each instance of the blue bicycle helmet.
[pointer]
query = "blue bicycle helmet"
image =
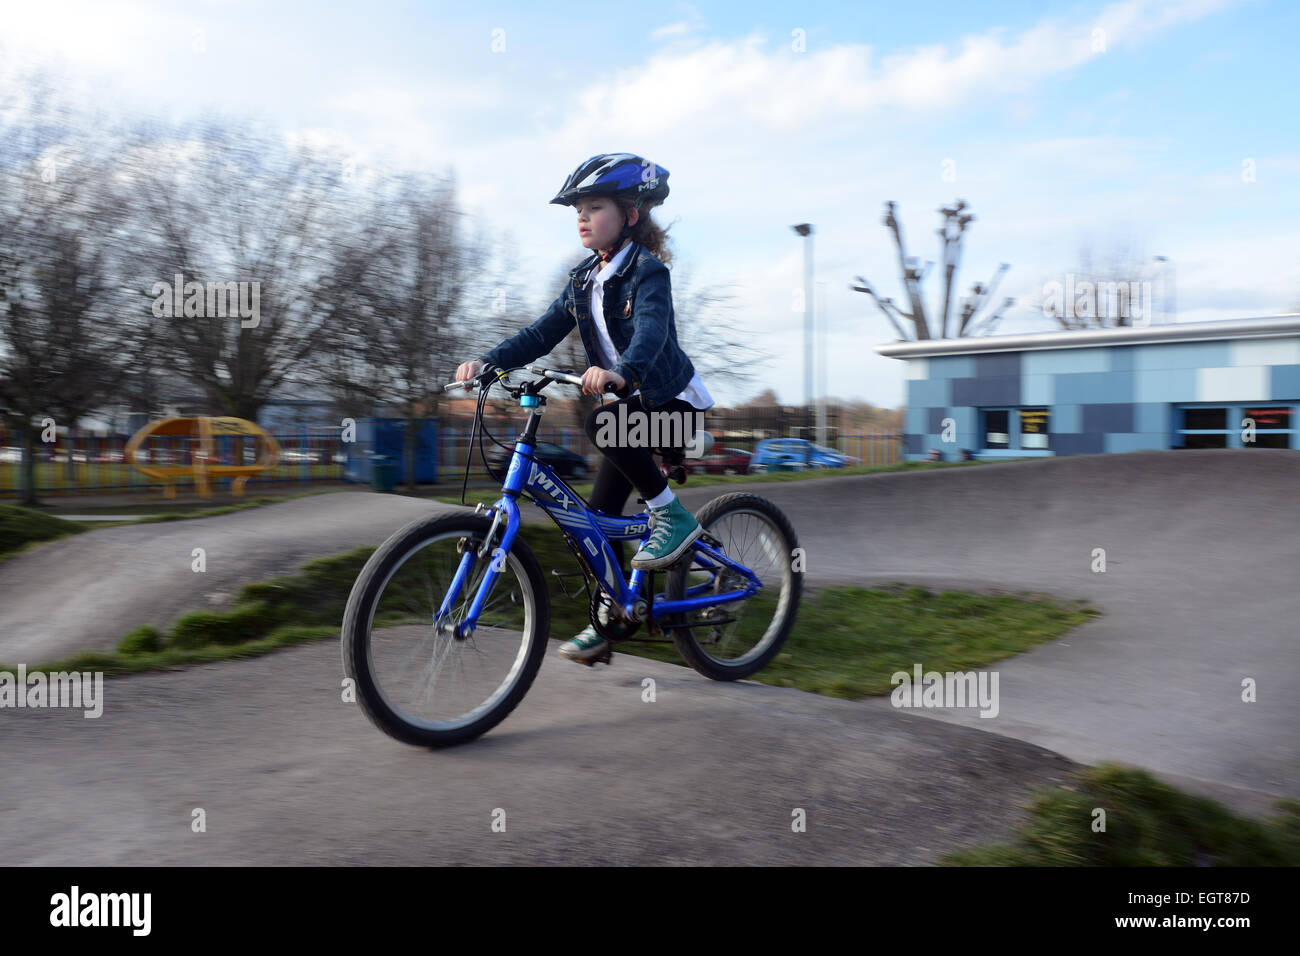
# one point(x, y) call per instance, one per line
point(624, 176)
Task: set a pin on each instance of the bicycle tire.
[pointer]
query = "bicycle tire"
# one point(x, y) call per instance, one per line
point(675, 589)
point(357, 621)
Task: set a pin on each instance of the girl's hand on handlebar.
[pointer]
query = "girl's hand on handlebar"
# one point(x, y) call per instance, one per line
point(469, 370)
point(595, 379)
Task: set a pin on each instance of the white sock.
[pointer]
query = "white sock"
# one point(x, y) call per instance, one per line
point(660, 500)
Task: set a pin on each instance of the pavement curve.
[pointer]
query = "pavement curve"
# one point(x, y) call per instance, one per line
point(1198, 596)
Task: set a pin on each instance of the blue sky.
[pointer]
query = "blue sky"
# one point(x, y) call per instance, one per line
point(1055, 145)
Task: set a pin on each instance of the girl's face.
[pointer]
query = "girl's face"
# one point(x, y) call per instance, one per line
point(600, 221)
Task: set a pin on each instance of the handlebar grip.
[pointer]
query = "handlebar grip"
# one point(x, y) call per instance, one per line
point(484, 377)
point(567, 377)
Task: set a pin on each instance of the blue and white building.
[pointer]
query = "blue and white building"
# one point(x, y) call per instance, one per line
point(1193, 385)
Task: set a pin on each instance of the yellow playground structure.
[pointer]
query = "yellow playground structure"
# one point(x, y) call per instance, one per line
point(168, 465)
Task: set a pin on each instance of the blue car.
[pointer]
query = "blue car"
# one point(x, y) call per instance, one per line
point(792, 454)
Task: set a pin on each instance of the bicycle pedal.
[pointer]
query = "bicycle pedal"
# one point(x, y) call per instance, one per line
point(605, 658)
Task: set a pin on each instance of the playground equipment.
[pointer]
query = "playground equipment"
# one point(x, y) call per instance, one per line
point(202, 463)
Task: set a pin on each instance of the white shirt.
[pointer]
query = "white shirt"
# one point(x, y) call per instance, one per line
point(695, 392)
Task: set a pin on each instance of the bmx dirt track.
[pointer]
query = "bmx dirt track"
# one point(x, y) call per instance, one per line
point(1198, 595)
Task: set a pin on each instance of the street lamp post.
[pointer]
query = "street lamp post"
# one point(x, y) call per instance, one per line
point(805, 229)
point(821, 362)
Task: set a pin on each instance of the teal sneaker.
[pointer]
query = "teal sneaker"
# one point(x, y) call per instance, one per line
point(585, 647)
point(675, 529)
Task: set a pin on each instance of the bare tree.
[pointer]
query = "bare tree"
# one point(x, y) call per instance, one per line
point(225, 205)
point(718, 346)
point(1111, 288)
point(951, 232)
point(409, 319)
point(63, 348)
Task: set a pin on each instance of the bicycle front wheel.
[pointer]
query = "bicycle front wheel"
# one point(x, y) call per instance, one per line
point(413, 677)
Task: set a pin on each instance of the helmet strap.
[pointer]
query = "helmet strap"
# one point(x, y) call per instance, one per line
point(625, 233)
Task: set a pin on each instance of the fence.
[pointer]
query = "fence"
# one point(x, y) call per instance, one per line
point(85, 464)
point(883, 449)
point(871, 450)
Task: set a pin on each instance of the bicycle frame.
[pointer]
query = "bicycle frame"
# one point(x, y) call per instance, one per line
point(592, 530)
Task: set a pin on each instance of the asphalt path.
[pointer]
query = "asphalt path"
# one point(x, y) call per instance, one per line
point(1198, 595)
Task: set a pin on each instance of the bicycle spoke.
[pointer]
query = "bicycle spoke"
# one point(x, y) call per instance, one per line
point(421, 668)
point(752, 541)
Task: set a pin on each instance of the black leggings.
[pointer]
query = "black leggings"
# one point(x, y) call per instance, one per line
point(625, 468)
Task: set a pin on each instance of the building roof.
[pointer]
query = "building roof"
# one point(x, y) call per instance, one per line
point(1256, 328)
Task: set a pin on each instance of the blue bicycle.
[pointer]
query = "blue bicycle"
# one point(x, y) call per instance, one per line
point(448, 621)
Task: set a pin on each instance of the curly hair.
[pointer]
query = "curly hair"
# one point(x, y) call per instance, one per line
point(649, 233)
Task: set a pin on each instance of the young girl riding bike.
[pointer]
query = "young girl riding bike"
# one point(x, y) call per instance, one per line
point(621, 300)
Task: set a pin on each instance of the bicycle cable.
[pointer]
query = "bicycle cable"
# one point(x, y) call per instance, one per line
point(479, 429)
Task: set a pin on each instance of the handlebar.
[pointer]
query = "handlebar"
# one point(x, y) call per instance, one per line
point(568, 377)
point(491, 371)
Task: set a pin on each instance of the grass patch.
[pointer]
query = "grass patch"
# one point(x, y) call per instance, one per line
point(116, 664)
point(845, 643)
point(267, 615)
point(1148, 823)
point(20, 528)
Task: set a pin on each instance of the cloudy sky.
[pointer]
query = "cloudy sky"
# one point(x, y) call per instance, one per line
point(1160, 128)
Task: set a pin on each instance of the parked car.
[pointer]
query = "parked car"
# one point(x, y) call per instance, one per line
point(567, 464)
point(725, 461)
point(792, 454)
point(824, 457)
point(779, 454)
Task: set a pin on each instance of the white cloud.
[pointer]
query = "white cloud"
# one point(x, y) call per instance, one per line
point(692, 22)
point(680, 28)
point(782, 90)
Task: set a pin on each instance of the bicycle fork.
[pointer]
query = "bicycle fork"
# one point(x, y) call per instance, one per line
point(508, 509)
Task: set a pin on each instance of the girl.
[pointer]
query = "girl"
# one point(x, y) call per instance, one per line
point(621, 300)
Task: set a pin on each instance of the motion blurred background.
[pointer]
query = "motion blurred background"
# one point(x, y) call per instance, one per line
point(382, 176)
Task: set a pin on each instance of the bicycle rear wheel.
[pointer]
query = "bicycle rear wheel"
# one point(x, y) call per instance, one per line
point(414, 679)
point(734, 640)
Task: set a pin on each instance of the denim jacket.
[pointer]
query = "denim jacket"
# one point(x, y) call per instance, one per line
point(638, 307)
